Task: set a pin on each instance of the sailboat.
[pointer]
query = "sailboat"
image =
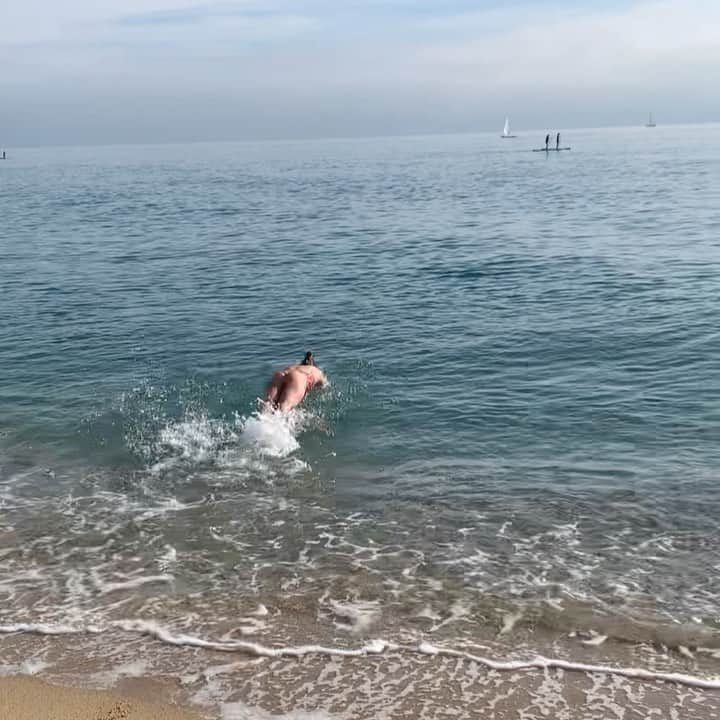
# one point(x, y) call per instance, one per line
point(650, 122)
point(506, 130)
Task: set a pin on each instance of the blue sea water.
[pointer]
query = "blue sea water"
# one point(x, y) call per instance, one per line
point(522, 429)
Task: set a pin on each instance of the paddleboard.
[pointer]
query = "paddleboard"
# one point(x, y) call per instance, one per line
point(549, 149)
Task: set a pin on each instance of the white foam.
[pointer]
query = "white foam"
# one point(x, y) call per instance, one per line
point(428, 613)
point(509, 621)
point(272, 433)
point(168, 558)
point(240, 711)
point(374, 647)
point(502, 532)
point(543, 663)
point(458, 611)
point(163, 465)
point(153, 629)
point(33, 666)
point(195, 439)
point(555, 603)
point(355, 616)
point(108, 587)
point(215, 670)
point(41, 629)
point(133, 669)
point(162, 507)
point(595, 639)
point(248, 626)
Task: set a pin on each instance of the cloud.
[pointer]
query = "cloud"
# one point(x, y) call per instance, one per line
point(350, 66)
point(165, 17)
point(247, 10)
point(83, 21)
point(602, 49)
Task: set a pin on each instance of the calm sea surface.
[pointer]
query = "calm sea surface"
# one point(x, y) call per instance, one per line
point(520, 444)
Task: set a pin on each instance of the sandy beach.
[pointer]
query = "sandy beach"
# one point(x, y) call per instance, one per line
point(432, 687)
point(24, 698)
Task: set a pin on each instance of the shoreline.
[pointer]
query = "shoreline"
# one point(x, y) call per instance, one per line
point(422, 682)
point(25, 697)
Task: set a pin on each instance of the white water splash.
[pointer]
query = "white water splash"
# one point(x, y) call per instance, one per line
point(272, 433)
point(196, 438)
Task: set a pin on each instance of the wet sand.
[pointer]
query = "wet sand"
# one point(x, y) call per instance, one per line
point(24, 698)
point(400, 683)
point(393, 687)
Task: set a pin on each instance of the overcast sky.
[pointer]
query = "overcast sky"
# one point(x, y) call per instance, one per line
point(96, 71)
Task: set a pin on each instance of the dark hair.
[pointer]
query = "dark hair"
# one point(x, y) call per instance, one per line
point(308, 359)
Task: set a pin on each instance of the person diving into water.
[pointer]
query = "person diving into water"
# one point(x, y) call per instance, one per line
point(289, 386)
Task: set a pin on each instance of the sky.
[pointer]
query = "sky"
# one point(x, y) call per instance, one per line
point(107, 71)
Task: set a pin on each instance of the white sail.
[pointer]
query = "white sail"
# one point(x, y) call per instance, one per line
point(506, 130)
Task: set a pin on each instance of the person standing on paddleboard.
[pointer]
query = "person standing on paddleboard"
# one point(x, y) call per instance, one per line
point(557, 142)
point(289, 386)
point(547, 141)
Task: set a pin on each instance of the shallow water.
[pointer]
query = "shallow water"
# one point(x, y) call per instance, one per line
point(519, 445)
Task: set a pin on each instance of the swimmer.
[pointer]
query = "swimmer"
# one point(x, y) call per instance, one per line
point(289, 386)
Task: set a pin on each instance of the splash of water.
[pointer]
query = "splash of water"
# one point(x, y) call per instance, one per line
point(200, 439)
point(271, 432)
point(196, 438)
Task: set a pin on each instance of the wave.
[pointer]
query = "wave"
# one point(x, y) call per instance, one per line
point(374, 647)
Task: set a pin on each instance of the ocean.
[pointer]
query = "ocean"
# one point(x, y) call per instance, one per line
point(511, 475)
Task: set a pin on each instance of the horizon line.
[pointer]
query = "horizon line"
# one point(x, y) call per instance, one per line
point(340, 138)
